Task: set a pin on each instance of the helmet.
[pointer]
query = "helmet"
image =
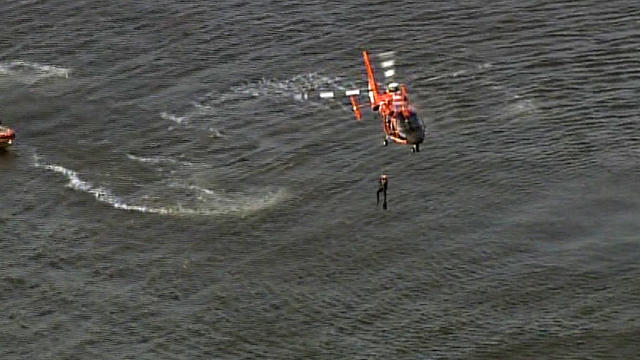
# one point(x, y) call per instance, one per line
point(393, 87)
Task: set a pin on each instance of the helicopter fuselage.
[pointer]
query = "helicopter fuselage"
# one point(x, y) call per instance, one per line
point(400, 122)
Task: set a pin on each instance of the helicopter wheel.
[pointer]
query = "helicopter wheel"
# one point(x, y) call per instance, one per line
point(385, 142)
point(416, 148)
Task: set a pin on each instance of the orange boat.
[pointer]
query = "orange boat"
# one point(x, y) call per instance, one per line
point(7, 137)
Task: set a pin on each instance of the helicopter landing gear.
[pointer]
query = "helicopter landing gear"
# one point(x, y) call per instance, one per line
point(415, 148)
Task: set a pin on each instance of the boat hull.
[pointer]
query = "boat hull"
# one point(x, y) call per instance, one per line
point(6, 144)
point(7, 137)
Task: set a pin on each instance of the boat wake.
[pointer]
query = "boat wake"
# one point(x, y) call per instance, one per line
point(191, 200)
point(29, 73)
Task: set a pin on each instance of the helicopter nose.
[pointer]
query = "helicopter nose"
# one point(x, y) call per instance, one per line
point(416, 137)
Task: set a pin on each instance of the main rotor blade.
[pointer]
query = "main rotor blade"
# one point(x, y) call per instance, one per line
point(333, 94)
point(386, 54)
point(388, 63)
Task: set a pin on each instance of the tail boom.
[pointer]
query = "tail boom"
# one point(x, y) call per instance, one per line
point(374, 94)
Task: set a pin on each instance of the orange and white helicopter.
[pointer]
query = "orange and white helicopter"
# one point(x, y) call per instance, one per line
point(399, 119)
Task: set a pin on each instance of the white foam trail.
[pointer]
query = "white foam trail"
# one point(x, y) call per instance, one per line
point(236, 202)
point(185, 119)
point(435, 78)
point(180, 120)
point(238, 205)
point(100, 193)
point(29, 72)
point(157, 160)
point(204, 109)
point(458, 73)
point(296, 87)
point(194, 118)
point(216, 132)
point(201, 189)
point(521, 106)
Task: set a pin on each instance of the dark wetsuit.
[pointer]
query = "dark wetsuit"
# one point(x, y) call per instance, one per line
point(384, 182)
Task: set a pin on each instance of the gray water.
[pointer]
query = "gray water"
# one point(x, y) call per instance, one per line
point(172, 195)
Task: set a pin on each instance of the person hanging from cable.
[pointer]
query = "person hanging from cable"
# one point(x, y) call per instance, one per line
point(383, 181)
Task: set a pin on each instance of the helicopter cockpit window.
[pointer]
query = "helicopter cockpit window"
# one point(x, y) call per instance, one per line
point(414, 122)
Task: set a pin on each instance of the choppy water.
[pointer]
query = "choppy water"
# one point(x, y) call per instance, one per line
point(173, 193)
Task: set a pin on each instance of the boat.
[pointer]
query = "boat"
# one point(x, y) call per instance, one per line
point(7, 137)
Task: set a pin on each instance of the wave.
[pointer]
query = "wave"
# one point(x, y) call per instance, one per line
point(458, 73)
point(213, 202)
point(30, 73)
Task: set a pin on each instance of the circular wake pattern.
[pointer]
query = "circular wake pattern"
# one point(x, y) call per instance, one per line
point(190, 200)
point(29, 72)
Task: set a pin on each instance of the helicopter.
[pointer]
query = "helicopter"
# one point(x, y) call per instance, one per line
point(400, 122)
